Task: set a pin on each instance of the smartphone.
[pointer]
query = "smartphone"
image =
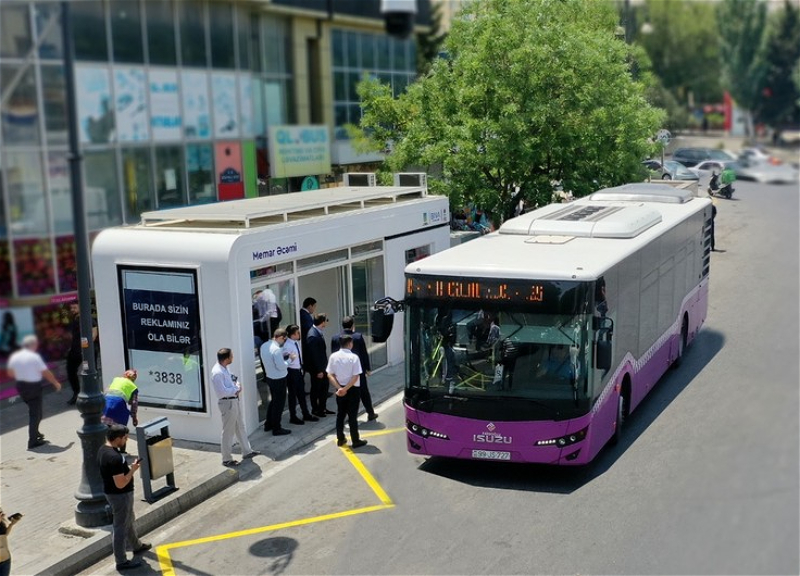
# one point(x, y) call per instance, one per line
point(15, 516)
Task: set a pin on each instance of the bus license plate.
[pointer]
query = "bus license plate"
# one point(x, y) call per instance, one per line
point(491, 455)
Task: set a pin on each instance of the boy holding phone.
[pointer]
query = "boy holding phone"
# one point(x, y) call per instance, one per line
point(118, 487)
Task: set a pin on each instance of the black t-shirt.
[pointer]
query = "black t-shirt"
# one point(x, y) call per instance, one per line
point(111, 464)
point(75, 345)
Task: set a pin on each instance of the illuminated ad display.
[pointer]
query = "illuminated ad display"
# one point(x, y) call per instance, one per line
point(161, 323)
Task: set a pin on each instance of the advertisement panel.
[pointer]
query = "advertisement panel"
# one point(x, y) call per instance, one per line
point(130, 89)
point(196, 107)
point(165, 111)
point(226, 105)
point(161, 329)
point(299, 150)
point(95, 112)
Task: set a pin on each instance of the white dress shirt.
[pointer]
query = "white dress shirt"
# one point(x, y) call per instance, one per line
point(344, 365)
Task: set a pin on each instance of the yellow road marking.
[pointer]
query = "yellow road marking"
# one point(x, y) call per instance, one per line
point(381, 432)
point(162, 552)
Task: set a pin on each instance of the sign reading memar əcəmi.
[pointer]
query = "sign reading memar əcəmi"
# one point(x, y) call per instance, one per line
point(161, 323)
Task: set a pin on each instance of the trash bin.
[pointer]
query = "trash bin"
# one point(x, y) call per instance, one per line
point(155, 450)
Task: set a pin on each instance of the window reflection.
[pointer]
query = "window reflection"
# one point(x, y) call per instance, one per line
point(169, 177)
point(55, 109)
point(193, 34)
point(20, 112)
point(160, 33)
point(200, 169)
point(126, 31)
point(34, 260)
point(48, 30)
point(137, 183)
point(15, 31)
point(89, 30)
point(60, 192)
point(26, 200)
point(101, 190)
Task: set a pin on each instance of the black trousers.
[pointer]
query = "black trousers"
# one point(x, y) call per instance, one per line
point(31, 394)
point(366, 397)
point(73, 367)
point(319, 393)
point(348, 407)
point(277, 391)
point(297, 393)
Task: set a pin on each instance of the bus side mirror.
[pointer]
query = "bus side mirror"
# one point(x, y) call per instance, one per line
point(602, 356)
point(381, 325)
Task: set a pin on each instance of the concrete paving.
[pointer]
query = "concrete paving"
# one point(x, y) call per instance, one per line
point(41, 483)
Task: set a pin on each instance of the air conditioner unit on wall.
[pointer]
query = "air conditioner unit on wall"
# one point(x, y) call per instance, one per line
point(360, 179)
point(411, 179)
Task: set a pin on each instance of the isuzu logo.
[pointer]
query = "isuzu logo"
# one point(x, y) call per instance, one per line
point(491, 436)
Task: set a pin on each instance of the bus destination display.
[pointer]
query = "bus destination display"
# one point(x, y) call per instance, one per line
point(475, 289)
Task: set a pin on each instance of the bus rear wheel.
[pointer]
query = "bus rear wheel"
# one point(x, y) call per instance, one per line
point(681, 343)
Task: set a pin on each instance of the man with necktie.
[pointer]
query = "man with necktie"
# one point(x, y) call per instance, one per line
point(296, 384)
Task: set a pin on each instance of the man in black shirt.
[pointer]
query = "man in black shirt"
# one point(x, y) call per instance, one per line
point(118, 487)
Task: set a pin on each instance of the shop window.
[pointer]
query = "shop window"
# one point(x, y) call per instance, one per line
point(48, 30)
point(272, 307)
point(169, 177)
point(137, 183)
point(191, 16)
point(200, 169)
point(34, 264)
point(126, 31)
point(221, 25)
point(26, 199)
point(20, 109)
point(15, 31)
point(89, 30)
point(60, 185)
point(66, 264)
point(101, 190)
point(55, 109)
point(161, 33)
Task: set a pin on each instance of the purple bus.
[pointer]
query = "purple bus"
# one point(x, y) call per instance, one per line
point(535, 343)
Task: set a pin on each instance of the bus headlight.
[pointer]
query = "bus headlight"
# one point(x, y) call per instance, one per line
point(425, 432)
point(565, 440)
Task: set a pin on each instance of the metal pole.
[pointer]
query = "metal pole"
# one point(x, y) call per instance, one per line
point(91, 508)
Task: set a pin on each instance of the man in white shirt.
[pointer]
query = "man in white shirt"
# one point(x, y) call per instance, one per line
point(344, 373)
point(295, 383)
point(228, 391)
point(27, 367)
point(275, 363)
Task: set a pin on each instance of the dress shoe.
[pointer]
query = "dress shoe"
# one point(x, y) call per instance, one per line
point(281, 432)
point(358, 444)
point(329, 411)
point(296, 421)
point(128, 565)
point(267, 428)
point(251, 454)
point(341, 442)
point(39, 442)
point(230, 463)
point(372, 417)
point(143, 547)
point(310, 418)
point(319, 414)
point(40, 436)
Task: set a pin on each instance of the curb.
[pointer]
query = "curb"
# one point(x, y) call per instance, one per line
point(99, 546)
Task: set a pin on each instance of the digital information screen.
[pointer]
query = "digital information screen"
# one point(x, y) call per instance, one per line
point(161, 323)
point(475, 289)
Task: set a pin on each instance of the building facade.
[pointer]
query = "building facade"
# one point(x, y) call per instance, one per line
point(179, 102)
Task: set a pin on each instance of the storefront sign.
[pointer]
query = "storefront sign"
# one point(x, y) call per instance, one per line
point(165, 111)
point(161, 322)
point(299, 151)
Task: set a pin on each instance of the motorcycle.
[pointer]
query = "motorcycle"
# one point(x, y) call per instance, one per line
point(715, 188)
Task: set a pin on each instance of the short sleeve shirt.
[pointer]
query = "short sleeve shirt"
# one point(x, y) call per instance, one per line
point(344, 365)
point(27, 365)
point(112, 463)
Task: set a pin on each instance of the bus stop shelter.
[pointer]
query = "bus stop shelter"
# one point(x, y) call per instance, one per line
point(175, 288)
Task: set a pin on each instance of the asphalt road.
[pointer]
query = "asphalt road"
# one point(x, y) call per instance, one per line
point(705, 480)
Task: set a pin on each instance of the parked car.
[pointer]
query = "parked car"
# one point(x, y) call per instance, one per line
point(757, 155)
point(692, 156)
point(670, 170)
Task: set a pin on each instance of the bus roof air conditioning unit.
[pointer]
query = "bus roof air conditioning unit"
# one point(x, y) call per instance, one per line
point(360, 179)
point(411, 179)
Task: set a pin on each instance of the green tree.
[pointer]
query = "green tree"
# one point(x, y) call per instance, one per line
point(743, 23)
point(681, 41)
point(778, 95)
point(532, 92)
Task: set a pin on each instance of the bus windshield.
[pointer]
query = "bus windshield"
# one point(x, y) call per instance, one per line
point(514, 359)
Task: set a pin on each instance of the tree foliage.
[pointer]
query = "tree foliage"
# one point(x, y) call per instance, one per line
point(742, 49)
point(683, 45)
point(532, 92)
point(778, 96)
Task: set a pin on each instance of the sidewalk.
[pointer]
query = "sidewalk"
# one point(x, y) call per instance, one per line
point(41, 483)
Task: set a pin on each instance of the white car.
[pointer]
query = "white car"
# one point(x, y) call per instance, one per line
point(769, 173)
point(705, 168)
